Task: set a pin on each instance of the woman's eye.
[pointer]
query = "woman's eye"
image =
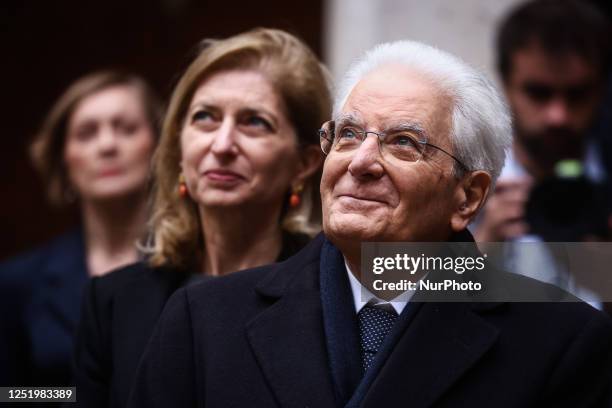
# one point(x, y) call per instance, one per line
point(257, 121)
point(201, 116)
point(86, 133)
point(127, 128)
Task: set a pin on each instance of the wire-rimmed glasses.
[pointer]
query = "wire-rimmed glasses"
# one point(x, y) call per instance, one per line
point(405, 142)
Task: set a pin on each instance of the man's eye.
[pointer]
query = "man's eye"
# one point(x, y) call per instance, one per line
point(403, 141)
point(347, 133)
point(578, 94)
point(539, 93)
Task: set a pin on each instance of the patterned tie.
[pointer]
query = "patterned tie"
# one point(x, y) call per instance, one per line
point(375, 322)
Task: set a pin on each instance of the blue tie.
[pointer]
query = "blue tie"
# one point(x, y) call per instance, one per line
point(375, 322)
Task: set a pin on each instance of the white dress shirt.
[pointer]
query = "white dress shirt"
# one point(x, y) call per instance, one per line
point(362, 296)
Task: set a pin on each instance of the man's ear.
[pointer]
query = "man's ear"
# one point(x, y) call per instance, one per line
point(311, 159)
point(471, 193)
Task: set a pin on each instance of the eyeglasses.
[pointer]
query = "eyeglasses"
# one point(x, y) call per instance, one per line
point(404, 143)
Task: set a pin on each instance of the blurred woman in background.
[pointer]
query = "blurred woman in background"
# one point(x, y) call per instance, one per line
point(236, 178)
point(94, 149)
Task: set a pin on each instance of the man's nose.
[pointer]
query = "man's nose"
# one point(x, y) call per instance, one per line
point(365, 162)
point(224, 139)
point(557, 113)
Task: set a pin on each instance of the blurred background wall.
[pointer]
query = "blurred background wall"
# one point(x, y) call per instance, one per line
point(465, 28)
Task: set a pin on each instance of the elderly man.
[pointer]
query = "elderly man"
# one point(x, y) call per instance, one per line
point(417, 139)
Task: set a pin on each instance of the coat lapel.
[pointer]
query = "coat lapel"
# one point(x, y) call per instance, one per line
point(288, 339)
point(442, 343)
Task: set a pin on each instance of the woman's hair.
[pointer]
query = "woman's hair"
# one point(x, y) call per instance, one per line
point(47, 148)
point(302, 83)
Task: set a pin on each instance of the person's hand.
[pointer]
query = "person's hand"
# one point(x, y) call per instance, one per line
point(503, 216)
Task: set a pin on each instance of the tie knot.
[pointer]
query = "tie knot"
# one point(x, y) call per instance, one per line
point(375, 322)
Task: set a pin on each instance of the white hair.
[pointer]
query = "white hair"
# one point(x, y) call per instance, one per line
point(481, 126)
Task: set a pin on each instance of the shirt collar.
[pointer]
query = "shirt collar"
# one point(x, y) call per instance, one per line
point(362, 296)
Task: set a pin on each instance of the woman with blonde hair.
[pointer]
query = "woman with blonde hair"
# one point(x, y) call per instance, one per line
point(236, 178)
point(94, 150)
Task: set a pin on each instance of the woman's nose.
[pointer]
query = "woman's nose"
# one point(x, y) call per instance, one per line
point(224, 139)
point(107, 140)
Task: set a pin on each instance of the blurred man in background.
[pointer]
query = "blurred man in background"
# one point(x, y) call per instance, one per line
point(553, 59)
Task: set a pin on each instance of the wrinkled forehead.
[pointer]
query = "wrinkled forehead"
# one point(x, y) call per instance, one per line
point(395, 96)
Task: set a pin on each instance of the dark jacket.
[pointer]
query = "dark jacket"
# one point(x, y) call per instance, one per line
point(260, 338)
point(40, 295)
point(119, 313)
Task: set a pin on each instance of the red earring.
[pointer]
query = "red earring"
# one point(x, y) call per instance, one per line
point(294, 199)
point(182, 188)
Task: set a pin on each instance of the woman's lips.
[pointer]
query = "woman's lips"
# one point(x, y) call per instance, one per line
point(110, 172)
point(223, 176)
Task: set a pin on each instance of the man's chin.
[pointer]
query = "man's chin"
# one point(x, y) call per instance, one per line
point(354, 226)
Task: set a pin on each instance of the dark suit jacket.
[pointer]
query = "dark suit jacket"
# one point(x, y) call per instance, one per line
point(40, 295)
point(119, 312)
point(257, 339)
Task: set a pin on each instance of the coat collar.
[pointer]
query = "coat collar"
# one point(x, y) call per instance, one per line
point(278, 280)
point(288, 338)
point(442, 342)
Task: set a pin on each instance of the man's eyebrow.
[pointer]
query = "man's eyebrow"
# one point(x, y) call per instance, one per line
point(410, 127)
point(348, 118)
point(400, 126)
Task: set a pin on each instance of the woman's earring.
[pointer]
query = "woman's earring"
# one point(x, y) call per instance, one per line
point(294, 199)
point(182, 188)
